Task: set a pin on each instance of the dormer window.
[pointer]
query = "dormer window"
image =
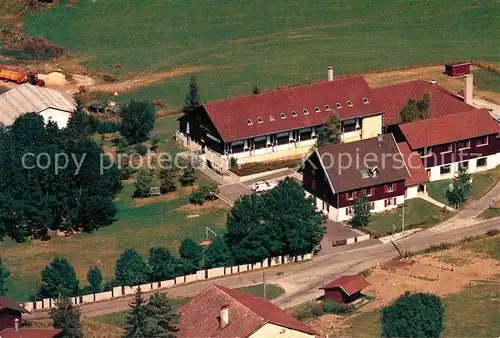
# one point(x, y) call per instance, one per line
point(327, 107)
point(306, 112)
point(259, 120)
point(316, 109)
point(365, 100)
point(282, 115)
point(249, 122)
point(339, 105)
point(294, 113)
point(349, 103)
point(271, 118)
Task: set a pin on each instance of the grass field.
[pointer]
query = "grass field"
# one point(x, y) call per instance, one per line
point(487, 79)
point(418, 213)
point(271, 43)
point(480, 183)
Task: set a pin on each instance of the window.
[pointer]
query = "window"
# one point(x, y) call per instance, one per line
point(339, 105)
point(316, 109)
point(372, 205)
point(365, 100)
point(349, 211)
point(349, 103)
point(294, 113)
point(271, 118)
point(313, 184)
point(306, 112)
point(463, 144)
point(389, 188)
point(259, 120)
point(428, 171)
point(388, 202)
point(313, 171)
point(282, 115)
point(464, 165)
point(445, 169)
point(327, 107)
point(446, 148)
point(369, 192)
point(350, 196)
point(424, 152)
point(481, 162)
point(364, 173)
point(249, 122)
point(482, 141)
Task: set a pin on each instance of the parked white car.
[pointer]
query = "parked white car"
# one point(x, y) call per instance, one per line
point(261, 186)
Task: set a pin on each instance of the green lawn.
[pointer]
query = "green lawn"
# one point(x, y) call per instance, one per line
point(490, 213)
point(119, 318)
point(481, 182)
point(487, 79)
point(418, 214)
point(162, 222)
point(236, 48)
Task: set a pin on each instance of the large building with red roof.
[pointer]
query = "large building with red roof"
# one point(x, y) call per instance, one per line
point(222, 312)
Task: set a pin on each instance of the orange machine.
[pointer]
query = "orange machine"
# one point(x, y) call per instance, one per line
point(18, 75)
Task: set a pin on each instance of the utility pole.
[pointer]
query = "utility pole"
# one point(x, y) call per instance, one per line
point(403, 250)
point(264, 284)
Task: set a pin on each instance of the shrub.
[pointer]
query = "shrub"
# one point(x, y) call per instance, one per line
point(155, 141)
point(197, 196)
point(330, 306)
point(141, 149)
point(317, 310)
point(109, 78)
point(254, 168)
point(233, 162)
point(205, 192)
point(492, 232)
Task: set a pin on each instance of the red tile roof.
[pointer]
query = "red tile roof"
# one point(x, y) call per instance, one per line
point(230, 116)
point(449, 128)
point(247, 314)
point(349, 284)
point(394, 97)
point(29, 332)
point(344, 171)
point(9, 303)
point(416, 170)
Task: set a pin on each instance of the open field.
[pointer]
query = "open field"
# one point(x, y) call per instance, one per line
point(481, 182)
point(466, 277)
point(235, 48)
point(418, 213)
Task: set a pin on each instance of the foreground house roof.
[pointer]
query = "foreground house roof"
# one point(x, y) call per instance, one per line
point(247, 314)
point(395, 97)
point(449, 128)
point(349, 284)
point(30, 332)
point(230, 116)
point(345, 176)
point(416, 169)
point(27, 98)
point(11, 304)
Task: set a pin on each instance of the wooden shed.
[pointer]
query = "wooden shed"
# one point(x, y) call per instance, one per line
point(345, 289)
point(457, 68)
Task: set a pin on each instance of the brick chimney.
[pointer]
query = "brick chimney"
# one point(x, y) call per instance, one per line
point(224, 316)
point(330, 73)
point(468, 89)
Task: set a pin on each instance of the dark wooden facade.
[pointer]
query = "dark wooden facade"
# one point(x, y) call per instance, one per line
point(7, 318)
point(338, 295)
point(457, 69)
point(200, 128)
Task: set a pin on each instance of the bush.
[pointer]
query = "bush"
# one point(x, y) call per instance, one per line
point(233, 162)
point(492, 232)
point(254, 168)
point(330, 306)
point(317, 310)
point(205, 192)
point(155, 141)
point(197, 196)
point(109, 78)
point(107, 127)
point(141, 149)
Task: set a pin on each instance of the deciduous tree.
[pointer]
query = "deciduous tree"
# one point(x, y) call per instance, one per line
point(218, 254)
point(143, 182)
point(192, 253)
point(169, 176)
point(58, 280)
point(255, 90)
point(94, 277)
point(163, 264)
point(136, 318)
point(138, 119)
point(66, 316)
point(413, 315)
point(4, 275)
point(188, 176)
point(131, 269)
point(161, 317)
point(331, 133)
point(361, 216)
point(415, 110)
point(459, 189)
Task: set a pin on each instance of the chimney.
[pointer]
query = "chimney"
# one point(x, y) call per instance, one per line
point(330, 73)
point(224, 316)
point(433, 82)
point(469, 86)
point(16, 324)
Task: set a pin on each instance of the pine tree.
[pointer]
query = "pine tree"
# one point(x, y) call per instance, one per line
point(136, 319)
point(459, 190)
point(361, 216)
point(58, 280)
point(161, 317)
point(169, 175)
point(94, 277)
point(188, 176)
point(255, 90)
point(143, 182)
point(192, 101)
point(131, 269)
point(4, 275)
point(66, 316)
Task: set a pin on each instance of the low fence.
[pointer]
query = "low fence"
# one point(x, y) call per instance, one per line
point(201, 275)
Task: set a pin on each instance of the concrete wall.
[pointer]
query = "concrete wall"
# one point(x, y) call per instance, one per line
point(411, 191)
point(145, 287)
point(88, 298)
point(262, 174)
point(167, 283)
point(191, 278)
point(117, 291)
point(55, 115)
point(179, 280)
point(272, 330)
point(215, 272)
point(227, 271)
point(103, 296)
point(256, 266)
point(243, 267)
point(201, 274)
point(371, 126)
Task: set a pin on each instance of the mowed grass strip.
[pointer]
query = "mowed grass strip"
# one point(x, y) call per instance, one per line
point(237, 47)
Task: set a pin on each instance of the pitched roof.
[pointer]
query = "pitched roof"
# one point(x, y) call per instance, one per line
point(247, 314)
point(27, 98)
point(9, 303)
point(344, 162)
point(349, 284)
point(395, 97)
point(230, 116)
point(30, 332)
point(416, 169)
point(449, 128)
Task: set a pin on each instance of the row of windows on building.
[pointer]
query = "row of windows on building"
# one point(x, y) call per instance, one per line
point(448, 148)
point(349, 211)
point(446, 169)
point(351, 195)
point(305, 111)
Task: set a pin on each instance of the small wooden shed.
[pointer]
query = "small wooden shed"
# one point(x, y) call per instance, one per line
point(345, 289)
point(457, 68)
